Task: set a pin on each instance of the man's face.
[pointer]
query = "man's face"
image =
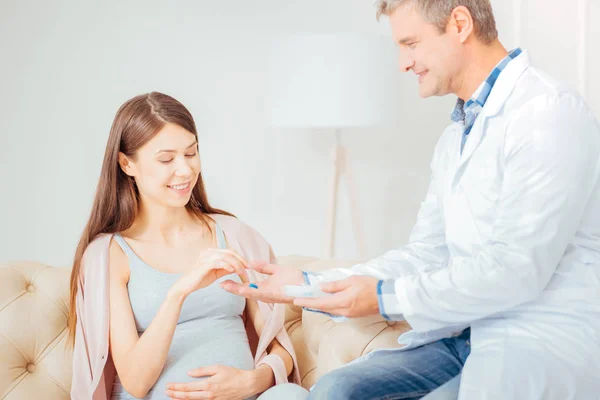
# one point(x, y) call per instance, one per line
point(435, 58)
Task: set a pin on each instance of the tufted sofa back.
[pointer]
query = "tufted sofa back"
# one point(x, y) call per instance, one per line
point(36, 364)
point(34, 360)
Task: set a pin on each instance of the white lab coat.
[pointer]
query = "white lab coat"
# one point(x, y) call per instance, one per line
point(507, 241)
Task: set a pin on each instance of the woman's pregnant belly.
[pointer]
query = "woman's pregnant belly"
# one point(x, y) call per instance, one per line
point(199, 343)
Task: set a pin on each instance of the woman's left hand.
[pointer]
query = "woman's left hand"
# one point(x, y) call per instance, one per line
point(220, 383)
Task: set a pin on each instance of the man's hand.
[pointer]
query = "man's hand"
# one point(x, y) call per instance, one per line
point(351, 297)
point(271, 289)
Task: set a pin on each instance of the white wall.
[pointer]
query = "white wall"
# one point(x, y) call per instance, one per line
point(66, 67)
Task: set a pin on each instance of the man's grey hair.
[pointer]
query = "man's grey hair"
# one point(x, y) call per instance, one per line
point(437, 13)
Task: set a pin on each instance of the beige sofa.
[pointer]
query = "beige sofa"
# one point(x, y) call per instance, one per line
point(36, 364)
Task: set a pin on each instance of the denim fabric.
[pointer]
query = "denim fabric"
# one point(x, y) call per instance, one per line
point(397, 374)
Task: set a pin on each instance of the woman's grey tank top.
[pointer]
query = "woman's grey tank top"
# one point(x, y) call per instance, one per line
point(210, 329)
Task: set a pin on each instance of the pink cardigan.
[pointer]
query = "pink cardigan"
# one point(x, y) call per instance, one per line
point(93, 369)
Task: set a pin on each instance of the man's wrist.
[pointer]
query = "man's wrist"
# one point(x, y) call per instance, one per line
point(390, 306)
point(380, 297)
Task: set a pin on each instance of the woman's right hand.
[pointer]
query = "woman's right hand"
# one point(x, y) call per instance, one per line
point(210, 266)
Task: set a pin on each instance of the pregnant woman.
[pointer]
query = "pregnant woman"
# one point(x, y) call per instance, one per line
point(148, 318)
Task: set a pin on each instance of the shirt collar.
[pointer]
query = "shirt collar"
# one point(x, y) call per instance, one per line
point(482, 93)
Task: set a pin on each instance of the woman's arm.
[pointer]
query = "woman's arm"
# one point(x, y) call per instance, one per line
point(263, 377)
point(139, 360)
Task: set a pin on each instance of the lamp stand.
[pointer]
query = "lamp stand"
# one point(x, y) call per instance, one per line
point(341, 166)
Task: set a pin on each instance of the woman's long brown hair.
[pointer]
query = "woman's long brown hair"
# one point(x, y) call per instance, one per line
point(115, 206)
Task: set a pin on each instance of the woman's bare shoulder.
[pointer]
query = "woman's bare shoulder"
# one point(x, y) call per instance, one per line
point(118, 262)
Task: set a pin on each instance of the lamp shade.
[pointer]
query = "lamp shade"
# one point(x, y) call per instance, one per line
point(332, 81)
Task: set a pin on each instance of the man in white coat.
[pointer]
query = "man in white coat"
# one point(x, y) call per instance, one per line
point(500, 280)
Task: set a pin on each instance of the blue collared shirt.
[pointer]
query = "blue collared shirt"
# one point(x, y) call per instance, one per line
point(467, 113)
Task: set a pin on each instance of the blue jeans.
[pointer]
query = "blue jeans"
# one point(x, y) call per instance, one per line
point(406, 375)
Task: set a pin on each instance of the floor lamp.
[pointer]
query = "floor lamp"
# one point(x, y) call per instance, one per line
point(333, 83)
